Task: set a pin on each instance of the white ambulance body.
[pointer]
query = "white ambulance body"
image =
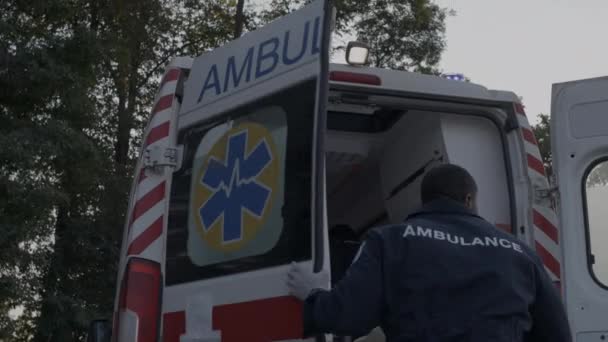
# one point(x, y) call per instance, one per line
point(255, 151)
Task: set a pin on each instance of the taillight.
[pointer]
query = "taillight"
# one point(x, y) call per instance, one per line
point(354, 77)
point(138, 316)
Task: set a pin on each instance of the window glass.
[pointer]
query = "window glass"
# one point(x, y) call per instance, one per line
point(242, 199)
point(596, 197)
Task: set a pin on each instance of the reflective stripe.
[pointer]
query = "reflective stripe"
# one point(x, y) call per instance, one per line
point(158, 132)
point(146, 219)
point(535, 164)
point(529, 135)
point(148, 236)
point(545, 225)
point(545, 232)
point(551, 263)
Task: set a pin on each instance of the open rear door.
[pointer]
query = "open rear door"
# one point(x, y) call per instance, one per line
point(248, 196)
point(579, 130)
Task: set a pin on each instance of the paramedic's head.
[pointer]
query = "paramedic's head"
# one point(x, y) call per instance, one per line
point(451, 182)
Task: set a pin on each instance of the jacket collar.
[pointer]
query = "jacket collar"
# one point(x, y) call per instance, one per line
point(443, 206)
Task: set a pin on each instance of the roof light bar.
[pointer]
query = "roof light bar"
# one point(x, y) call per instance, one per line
point(455, 77)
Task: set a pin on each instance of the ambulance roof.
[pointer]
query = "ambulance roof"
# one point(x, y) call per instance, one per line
point(416, 83)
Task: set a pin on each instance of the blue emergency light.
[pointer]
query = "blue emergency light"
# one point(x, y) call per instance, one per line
point(455, 77)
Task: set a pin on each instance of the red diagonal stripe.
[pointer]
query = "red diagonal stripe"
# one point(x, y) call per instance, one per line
point(529, 136)
point(535, 164)
point(519, 109)
point(140, 178)
point(158, 133)
point(148, 201)
point(545, 225)
point(170, 75)
point(549, 260)
point(146, 238)
point(163, 103)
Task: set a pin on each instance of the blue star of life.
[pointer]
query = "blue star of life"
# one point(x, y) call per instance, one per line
point(234, 186)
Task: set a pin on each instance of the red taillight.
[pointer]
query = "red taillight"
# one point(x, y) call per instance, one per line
point(354, 77)
point(140, 295)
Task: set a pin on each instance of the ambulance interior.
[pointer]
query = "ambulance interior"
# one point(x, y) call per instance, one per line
point(377, 152)
point(377, 155)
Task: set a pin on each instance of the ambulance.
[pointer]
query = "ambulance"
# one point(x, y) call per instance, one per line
point(259, 152)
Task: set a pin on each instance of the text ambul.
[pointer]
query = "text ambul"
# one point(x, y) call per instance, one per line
point(285, 49)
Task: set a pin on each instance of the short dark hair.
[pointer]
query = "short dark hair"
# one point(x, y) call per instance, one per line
point(447, 181)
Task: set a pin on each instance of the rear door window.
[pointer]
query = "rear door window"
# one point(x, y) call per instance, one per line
point(241, 200)
point(595, 197)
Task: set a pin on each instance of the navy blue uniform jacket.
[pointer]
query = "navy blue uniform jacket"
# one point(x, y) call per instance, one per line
point(445, 274)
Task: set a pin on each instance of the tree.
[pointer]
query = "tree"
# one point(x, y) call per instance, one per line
point(239, 19)
point(404, 34)
point(79, 80)
point(43, 106)
point(542, 132)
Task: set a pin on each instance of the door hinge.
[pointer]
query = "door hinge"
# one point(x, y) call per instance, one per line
point(550, 194)
point(157, 157)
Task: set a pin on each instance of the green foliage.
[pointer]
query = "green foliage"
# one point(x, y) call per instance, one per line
point(403, 34)
point(44, 105)
point(542, 132)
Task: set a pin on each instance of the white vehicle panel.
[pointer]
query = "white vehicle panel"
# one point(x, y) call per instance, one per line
point(579, 130)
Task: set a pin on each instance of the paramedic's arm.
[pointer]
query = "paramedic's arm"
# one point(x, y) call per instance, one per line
point(549, 321)
point(353, 307)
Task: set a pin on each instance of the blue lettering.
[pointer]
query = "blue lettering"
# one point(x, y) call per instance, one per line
point(231, 70)
point(267, 60)
point(211, 76)
point(286, 59)
point(316, 44)
point(262, 55)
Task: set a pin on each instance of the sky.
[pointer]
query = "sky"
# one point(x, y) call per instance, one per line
point(526, 45)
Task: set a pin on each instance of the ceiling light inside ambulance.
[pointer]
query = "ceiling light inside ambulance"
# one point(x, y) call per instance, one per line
point(357, 53)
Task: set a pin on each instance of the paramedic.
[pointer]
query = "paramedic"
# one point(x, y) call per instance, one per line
point(445, 274)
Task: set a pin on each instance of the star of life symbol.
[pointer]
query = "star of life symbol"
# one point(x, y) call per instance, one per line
point(234, 186)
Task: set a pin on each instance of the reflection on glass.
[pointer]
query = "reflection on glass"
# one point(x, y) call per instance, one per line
point(596, 186)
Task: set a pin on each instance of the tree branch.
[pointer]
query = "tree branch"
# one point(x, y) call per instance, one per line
point(164, 60)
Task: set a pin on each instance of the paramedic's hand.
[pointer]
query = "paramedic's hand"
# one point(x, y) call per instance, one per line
point(301, 280)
